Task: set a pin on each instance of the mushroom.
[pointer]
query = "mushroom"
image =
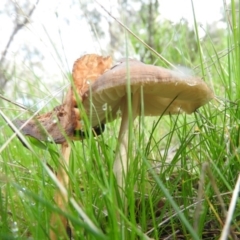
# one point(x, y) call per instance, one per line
point(162, 91)
point(64, 120)
point(63, 123)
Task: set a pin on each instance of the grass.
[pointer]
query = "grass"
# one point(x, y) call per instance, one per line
point(183, 170)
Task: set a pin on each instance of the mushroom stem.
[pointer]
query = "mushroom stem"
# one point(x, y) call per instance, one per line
point(61, 200)
point(121, 163)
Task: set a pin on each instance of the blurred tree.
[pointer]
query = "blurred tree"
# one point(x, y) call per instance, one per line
point(144, 19)
point(22, 15)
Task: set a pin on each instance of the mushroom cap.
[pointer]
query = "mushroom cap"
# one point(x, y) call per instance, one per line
point(163, 91)
point(64, 120)
point(86, 70)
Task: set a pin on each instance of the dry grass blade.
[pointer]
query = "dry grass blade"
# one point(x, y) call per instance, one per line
point(199, 198)
point(218, 194)
point(235, 198)
point(16, 133)
point(14, 103)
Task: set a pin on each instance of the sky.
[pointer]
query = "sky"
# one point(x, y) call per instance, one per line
point(207, 11)
point(63, 37)
point(77, 37)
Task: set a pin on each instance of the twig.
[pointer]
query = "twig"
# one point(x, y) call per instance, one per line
point(171, 236)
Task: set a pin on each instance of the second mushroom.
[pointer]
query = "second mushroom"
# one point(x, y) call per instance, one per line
point(161, 91)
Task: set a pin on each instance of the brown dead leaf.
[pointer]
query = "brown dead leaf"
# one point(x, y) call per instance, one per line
point(63, 120)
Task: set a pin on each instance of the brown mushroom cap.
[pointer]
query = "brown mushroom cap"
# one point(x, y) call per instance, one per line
point(64, 120)
point(164, 91)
